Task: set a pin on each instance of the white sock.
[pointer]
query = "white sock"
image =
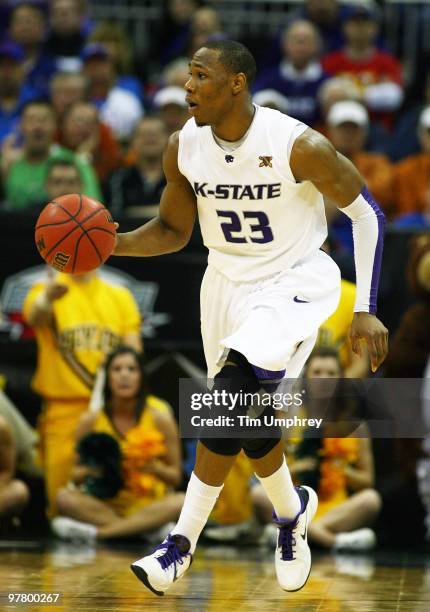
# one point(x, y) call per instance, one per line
point(281, 492)
point(200, 499)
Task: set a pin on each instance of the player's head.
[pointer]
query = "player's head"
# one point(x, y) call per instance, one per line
point(221, 74)
point(62, 177)
point(125, 378)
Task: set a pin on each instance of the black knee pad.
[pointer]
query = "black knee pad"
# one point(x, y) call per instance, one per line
point(256, 448)
point(235, 377)
point(223, 446)
point(239, 372)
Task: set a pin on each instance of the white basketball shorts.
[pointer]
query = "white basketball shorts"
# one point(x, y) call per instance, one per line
point(272, 321)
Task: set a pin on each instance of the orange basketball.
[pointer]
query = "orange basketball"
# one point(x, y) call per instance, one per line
point(75, 234)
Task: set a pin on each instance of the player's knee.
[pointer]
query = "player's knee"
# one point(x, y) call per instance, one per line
point(252, 377)
point(223, 446)
point(259, 447)
point(238, 372)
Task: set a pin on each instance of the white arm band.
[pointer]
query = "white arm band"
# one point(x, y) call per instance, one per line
point(368, 223)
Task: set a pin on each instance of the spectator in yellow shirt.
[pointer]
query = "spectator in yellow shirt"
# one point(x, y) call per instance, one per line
point(78, 321)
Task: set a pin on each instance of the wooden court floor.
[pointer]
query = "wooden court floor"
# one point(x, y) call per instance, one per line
point(220, 579)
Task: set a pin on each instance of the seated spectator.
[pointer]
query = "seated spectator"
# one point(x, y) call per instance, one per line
point(377, 72)
point(176, 73)
point(78, 320)
point(24, 436)
point(84, 134)
point(119, 108)
point(328, 17)
point(411, 176)
point(117, 42)
point(142, 183)
point(14, 493)
point(402, 469)
point(405, 139)
point(339, 89)
point(347, 130)
point(271, 98)
point(205, 25)
point(342, 470)
point(27, 28)
point(348, 123)
point(299, 75)
point(171, 105)
point(24, 168)
point(67, 88)
point(62, 177)
point(148, 457)
point(14, 93)
point(170, 37)
point(66, 38)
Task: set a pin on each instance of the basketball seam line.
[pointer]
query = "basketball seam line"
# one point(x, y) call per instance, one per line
point(77, 246)
point(78, 224)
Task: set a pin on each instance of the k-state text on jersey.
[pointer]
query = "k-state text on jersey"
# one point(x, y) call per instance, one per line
point(262, 191)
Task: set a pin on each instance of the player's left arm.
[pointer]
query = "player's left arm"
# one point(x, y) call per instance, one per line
point(313, 158)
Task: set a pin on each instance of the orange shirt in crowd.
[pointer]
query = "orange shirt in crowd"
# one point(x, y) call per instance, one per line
point(378, 173)
point(412, 184)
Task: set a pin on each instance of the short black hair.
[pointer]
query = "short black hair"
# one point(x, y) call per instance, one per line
point(235, 57)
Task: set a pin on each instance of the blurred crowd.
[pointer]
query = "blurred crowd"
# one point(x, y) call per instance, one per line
point(81, 112)
point(72, 89)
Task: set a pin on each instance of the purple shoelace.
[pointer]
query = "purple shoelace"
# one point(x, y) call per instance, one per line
point(286, 541)
point(172, 553)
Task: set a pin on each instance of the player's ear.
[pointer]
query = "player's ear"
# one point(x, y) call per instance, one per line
point(238, 82)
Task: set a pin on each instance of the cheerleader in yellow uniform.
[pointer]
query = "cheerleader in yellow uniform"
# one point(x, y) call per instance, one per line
point(143, 460)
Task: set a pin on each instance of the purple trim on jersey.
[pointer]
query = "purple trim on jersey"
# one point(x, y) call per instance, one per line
point(380, 217)
point(271, 375)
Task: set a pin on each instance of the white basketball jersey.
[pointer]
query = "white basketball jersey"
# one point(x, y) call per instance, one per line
point(255, 219)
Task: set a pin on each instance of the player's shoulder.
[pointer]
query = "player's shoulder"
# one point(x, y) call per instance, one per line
point(311, 148)
point(273, 116)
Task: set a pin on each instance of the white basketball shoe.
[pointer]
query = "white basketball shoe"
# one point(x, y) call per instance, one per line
point(167, 563)
point(292, 554)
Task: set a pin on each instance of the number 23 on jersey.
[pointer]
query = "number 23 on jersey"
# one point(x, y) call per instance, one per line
point(253, 228)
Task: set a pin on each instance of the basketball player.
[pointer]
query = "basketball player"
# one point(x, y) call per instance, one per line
point(257, 179)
